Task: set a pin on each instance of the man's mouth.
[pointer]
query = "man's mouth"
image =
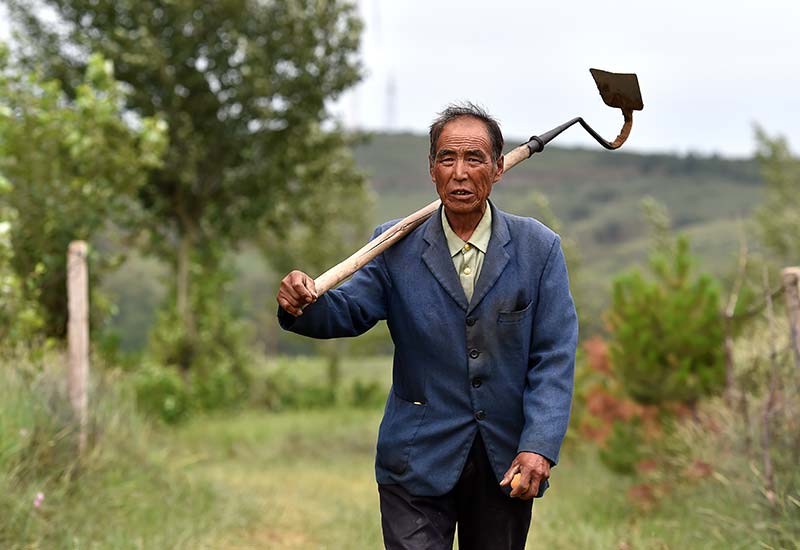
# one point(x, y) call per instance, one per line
point(462, 192)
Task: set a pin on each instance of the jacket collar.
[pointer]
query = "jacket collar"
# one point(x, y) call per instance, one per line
point(440, 263)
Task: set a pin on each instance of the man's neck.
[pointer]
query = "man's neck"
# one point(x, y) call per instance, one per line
point(464, 225)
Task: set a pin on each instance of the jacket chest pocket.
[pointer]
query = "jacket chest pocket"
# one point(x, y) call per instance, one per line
point(399, 427)
point(514, 335)
point(516, 316)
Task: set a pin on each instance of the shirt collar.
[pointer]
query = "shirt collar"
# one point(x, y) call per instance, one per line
point(479, 239)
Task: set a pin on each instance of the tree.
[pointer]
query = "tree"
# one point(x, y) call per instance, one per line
point(778, 217)
point(667, 332)
point(243, 86)
point(337, 228)
point(20, 319)
point(72, 167)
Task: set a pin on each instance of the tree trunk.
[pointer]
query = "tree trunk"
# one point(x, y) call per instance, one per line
point(182, 287)
point(183, 300)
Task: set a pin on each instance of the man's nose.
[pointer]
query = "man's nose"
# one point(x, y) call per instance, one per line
point(460, 170)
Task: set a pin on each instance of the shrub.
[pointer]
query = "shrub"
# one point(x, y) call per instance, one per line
point(20, 317)
point(667, 333)
point(284, 391)
point(162, 394)
point(623, 447)
point(220, 388)
point(367, 395)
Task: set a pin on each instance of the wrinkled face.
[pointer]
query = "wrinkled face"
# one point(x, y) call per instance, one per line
point(462, 169)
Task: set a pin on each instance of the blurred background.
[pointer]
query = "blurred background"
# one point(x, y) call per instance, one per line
point(203, 150)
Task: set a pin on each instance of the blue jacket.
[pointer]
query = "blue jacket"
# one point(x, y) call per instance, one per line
point(502, 364)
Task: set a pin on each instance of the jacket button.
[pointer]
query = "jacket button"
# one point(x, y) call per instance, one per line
point(480, 415)
point(474, 353)
point(476, 382)
point(470, 321)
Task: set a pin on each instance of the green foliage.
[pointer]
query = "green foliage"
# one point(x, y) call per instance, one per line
point(216, 349)
point(280, 390)
point(778, 217)
point(222, 387)
point(20, 320)
point(624, 447)
point(667, 332)
point(162, 394)
point(367, 395)
point(303, 384)
point(244, 87)
point(72, 164)
point(319, 228)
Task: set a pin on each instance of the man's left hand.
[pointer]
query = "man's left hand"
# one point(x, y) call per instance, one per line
point(533, 469)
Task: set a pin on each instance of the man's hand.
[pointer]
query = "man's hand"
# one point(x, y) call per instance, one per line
point(533, 469)
point(297, 291)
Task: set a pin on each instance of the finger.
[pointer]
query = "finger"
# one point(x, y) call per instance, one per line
point(288, 306)
point(286, 296)
point(301, 290)
point(509, 475)
point(524, 484)
point(533, 490)
point(312, 287)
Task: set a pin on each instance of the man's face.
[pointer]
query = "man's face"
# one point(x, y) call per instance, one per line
point(462, 169)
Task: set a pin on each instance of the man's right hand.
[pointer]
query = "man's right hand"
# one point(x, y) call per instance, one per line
point(297, 291)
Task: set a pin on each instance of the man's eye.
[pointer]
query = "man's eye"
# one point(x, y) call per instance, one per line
point(447, 160)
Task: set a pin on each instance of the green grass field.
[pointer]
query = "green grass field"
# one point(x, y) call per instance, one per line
point(306, 477)
point(303, 479)
point(306, 480)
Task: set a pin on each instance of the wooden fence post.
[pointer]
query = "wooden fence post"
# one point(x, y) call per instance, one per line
point(791, 287)
point(78, 335)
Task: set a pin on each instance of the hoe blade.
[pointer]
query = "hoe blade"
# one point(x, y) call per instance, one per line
point(619, 90)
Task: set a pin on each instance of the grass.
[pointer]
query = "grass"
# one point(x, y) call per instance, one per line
point(303, 479)
point(126, 492)
point(306, 476)
point(308, 480)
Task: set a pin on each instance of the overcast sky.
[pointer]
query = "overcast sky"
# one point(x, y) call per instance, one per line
point(708, 69)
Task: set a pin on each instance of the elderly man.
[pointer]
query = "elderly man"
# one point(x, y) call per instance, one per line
point(478, 305)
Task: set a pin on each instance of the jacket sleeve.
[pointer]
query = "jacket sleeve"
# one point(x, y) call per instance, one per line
point(547, 396)
point(349, 310)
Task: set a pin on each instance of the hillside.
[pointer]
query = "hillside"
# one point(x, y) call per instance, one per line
point(596, 194)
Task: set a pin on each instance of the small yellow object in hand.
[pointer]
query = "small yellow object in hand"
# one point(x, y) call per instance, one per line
point(515, 481)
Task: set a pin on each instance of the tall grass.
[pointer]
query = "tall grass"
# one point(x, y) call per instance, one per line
point(123, 493)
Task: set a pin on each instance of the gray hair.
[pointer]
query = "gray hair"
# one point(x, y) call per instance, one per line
point(467, 109)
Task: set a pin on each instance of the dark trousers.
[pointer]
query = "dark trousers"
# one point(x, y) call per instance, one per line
point(487, 519)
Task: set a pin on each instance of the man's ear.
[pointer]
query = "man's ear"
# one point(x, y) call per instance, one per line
point(430, 168)
point(501, 163)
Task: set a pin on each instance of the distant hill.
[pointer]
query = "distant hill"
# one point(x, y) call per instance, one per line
point(596, 194)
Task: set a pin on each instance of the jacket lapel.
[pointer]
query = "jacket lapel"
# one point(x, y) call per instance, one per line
point(437, 258)
point(495, 260)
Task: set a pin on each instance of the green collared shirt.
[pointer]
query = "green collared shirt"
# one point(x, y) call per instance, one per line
point(468, 256)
